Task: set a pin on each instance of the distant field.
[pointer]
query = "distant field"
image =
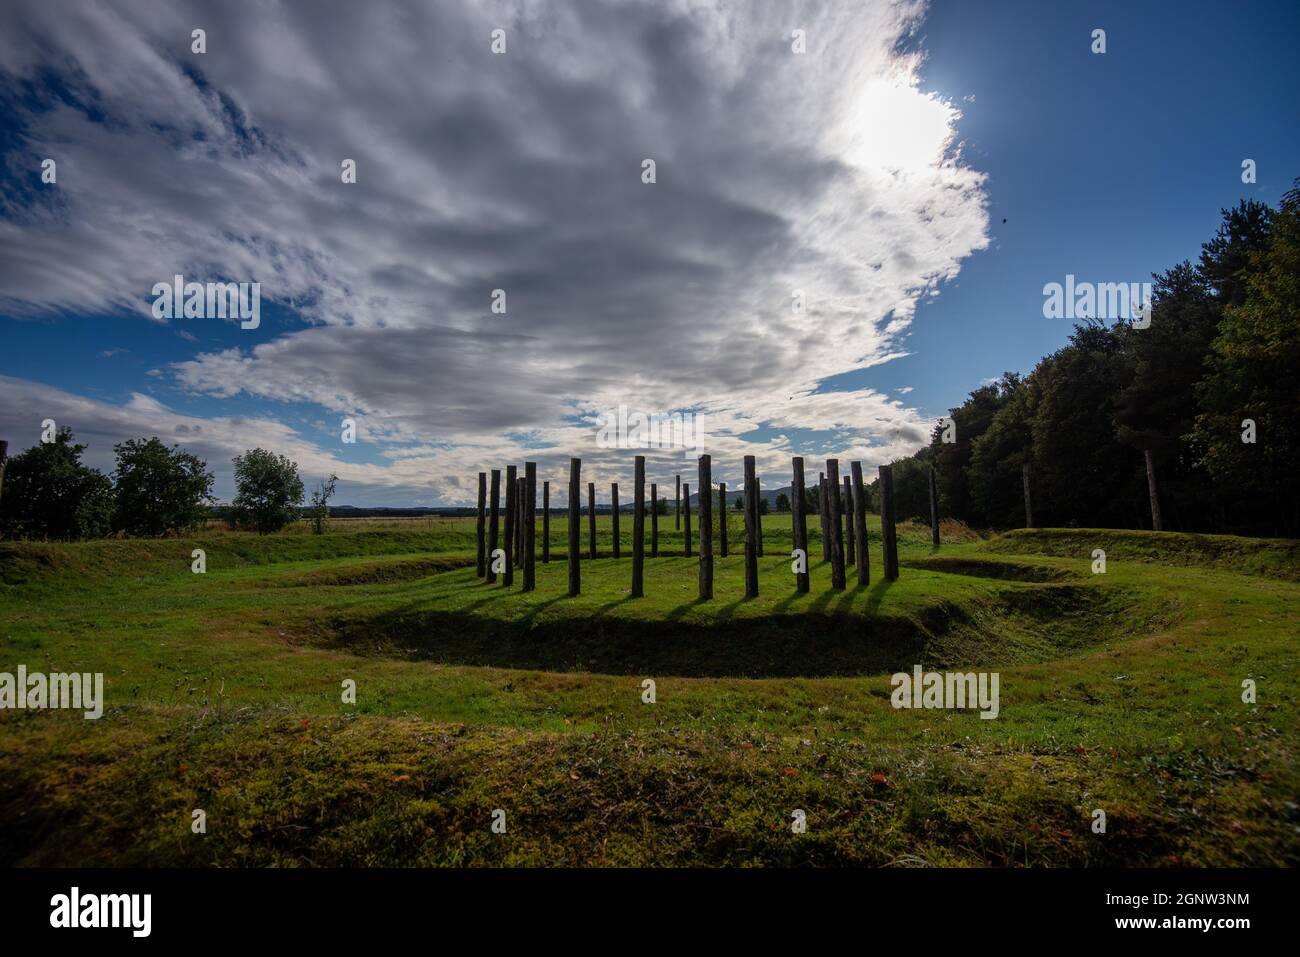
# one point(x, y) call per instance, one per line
point(1119, 692)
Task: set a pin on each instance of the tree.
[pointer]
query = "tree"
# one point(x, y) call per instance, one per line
point(740, 504)
point(267, 490)
point(994, 478)
point(762, 505)
point(783, 502)
point(1252, 373)
point(49, 493)
point(157, 489)
point(320, 497)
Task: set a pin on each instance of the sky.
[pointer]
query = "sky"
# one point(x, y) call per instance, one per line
point(849, 227)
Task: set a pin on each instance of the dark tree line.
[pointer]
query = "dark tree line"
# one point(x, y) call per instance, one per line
point(49, 493)
point(1219, 362)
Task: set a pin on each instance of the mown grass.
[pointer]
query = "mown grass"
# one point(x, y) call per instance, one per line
point(1119, 691)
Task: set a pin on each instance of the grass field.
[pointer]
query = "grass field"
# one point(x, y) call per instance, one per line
point(1119, 691)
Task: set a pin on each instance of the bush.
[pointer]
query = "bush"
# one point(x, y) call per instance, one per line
point(268, 490)
point(159, 490)
point(48, 493)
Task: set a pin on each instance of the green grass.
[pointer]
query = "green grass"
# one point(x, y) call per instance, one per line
point(1119, 691)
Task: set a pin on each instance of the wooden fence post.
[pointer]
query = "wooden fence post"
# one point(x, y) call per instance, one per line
point(530, 526)
point(508, 537)
point(1029, 509)
point(546, 522)
point(706, 526)
point(849, 517)
point(613, 497)
point(575, 526)
point(800, 526)
point(492, 524)
point(860, 524)
point(934, 508)
point(837, 540)
point(722, 519)
point(1156, 524)
point(591, 517)
point(686, 515)
point(888, 528)
point(638, 528)
point(751, 546)
point(654, 520)
point(824, 513)
point(480, 529)
point(519, 522)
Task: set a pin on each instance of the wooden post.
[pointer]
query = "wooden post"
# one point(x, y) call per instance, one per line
point(591, 517)
point(519, 522)
point(677, 506)
point(758, 512)
point(837, 540)
point(859, 499)
point(706, 526)
point(480, 529)
point(934, 508)
point(722, 519)
point(848, 521)
point(751, 533)
point(575, 526)
point(1029, 509)
point(686, 514)
point(613, 497)
point(824, 508)
point(546, 522)
point(654, 520)
point(492, 523)
point(1156, 524)
point(530, 526)
point(888, 530)
point(512, 489)
point(638, 528)
point(800, 526)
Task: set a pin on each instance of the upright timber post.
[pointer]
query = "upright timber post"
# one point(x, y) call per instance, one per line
point(492, 525)
point(613, 497)
point(654, 520)
point(706, 527)
point(800, 529)
point(546, 522)
point(722, 519)
point(480, 529)
point(888, 529)
point(677, 506)
point(591, 516)
point(934, 509)
point(686, 515)
point(512, 490)
point(849, 516)
point(1029, 509)
point(751, 533)
point(530, 526)
point(519, 522)
point(1156, 524)
point(837, 540)
point(575, 526)
point(860, 524)
point(824, 513)
point(638, 528)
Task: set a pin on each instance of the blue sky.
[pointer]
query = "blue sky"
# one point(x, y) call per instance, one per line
point(478, 172)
